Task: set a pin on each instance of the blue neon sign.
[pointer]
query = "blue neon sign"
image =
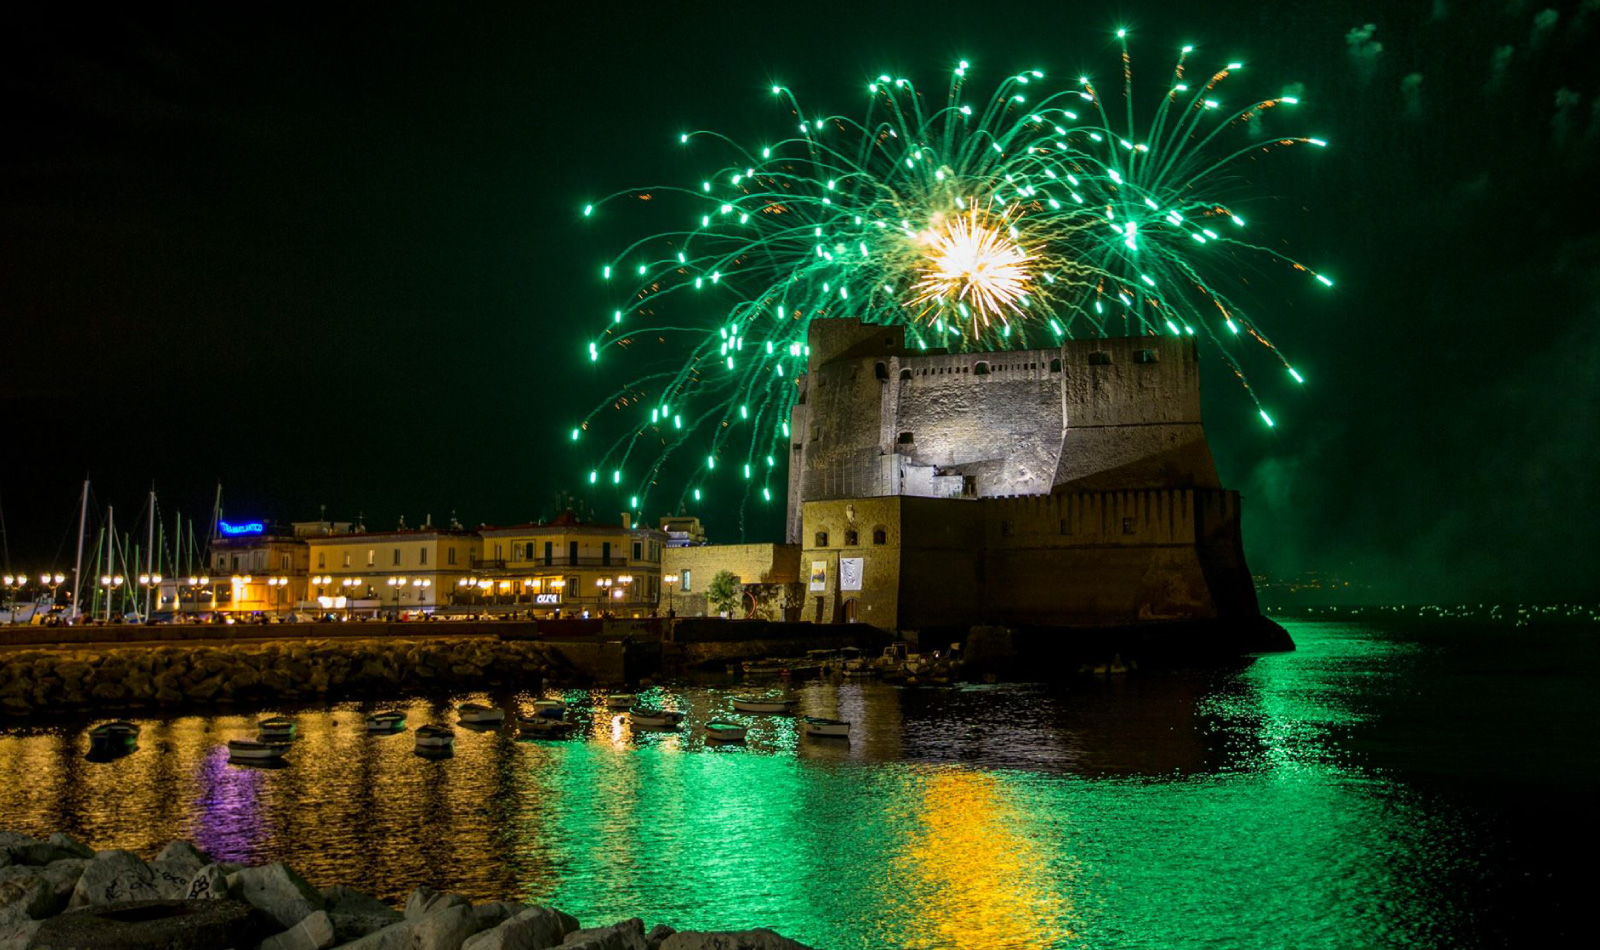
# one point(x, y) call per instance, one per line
point(249, 527)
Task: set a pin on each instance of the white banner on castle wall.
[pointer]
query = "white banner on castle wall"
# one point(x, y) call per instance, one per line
point(849, 573)
point(819, 576)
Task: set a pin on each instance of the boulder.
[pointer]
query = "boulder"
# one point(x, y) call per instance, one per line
point(114, 876)
point(313, 933)
point(624, 935)
point(139, 925)
point(730, 940)
point(71, 847)
point(657, 934)
point(340, 899)
point(18, 935)
point(396, 936)
point(38, 892)
point(494, 913)
point(445, 928)
point(537, 928)
point(280, 893)
point(425, 900)
point(208, 883)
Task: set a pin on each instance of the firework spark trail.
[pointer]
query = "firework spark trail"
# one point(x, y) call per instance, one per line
point(1028, 217)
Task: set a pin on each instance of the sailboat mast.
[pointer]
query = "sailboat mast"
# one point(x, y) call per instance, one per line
point(111, 541)
point(77, 568)
point(149, 552)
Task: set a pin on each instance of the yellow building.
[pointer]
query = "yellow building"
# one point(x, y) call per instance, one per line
point(250, 569)
point(391, 571)
point(568, 568)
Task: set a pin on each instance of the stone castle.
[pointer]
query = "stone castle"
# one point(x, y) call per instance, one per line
point(1050, 487)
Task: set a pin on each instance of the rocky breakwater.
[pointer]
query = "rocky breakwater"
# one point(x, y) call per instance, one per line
point(63, 679)
point(61, 895)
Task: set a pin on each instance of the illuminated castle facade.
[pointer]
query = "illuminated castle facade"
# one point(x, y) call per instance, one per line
point(1062, 486)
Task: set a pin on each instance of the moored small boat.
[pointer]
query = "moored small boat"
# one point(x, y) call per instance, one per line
point(646, 716)
point(540, 727)
point(826, 728)
point(479, 713)
point(252, 750)
point(621, 700)
point(277, 729)
point(386, 721)
point(721, 730)
point(553, 708)
point(113, 738)
point(762, 704)
point(435, 738)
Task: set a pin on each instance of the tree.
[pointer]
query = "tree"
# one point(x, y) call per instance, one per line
point(723, 593)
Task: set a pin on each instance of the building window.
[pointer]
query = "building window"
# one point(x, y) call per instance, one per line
point(1099, 358)
point(498, 555)
point(1066, 526)
point(880, 536)
point(1144, 356)
point(372, 557)
point(424, 561)
point(397, 557)
point(322, 560)
point(638, 551)
point(1055, 366)
point(1005, 529)
point(572, 552)
point(881, 371)
point(688, 580)
point(821, 539)
point(851, 538)
point(980, 369)
point(906, 438)
point(529, 551)
point(450, 555)
point(549, 558)
point(905, 374)
point(283, 562)
point(347, 559)
point(1129, 525)
point(605, 553)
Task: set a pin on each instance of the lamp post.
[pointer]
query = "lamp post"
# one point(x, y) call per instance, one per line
point(421, 584)
point(399, 584)
point(110, 582)
point(349, 584)
point(278, 587)
point(624, 582)
point(52, 581)
point(149, 582)
point(671, 580)
point(15, 583)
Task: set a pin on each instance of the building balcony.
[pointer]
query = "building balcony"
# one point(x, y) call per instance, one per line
point(537, 564)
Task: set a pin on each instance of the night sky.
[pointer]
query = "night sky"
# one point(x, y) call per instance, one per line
point(336, 258)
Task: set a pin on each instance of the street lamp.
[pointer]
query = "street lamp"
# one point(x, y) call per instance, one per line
point(671, 580)
point(399, 584)
point(278, 587)
point(349, 584)
point(110, 582)
point(15, 583)
point(52, 581)
point(149, 582)
point(421, 584)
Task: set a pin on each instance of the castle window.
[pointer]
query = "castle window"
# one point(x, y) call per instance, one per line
point(1099, 358)
point(880, 536)
point(881, 371)
point(1055, 366)
point(851, 538)
point(1005, 529)
point(1129, 525)
point(1144, 356)
point(905, 374)
point(980, 369)
point(821, 540)
point(906, 438)
point(1066, 526)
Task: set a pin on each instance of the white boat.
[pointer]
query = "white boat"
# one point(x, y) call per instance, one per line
point(251, 750)
point(553, 708)
point(721, 730)
point(645, 716)
point(762, 704)
point(386, 721)
point(621, 700)
point(277, 729)
point(435, 738)
point(827, 728)
point(113, 738)
point(479, 713)
point(540, 727)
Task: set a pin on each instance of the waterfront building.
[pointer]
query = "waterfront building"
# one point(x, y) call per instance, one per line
point(683, 531)
point(768, 575)
point(566, 567)
point(251, 568)
point(390, 571)
point(1063, 486)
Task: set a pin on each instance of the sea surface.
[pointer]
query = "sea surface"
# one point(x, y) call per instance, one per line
point(1390, 784)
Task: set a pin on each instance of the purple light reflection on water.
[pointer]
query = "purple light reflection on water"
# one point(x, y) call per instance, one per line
point(227, 822)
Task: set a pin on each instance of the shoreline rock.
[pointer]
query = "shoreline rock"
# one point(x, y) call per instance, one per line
point(174, 676)
point(70, 896)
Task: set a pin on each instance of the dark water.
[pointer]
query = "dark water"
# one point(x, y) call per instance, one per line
point(1388, 785)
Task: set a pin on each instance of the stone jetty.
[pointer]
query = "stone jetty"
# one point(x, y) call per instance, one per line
point(65, 679)
point(59, 894)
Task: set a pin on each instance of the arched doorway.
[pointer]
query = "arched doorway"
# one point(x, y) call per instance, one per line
point(847, 611)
